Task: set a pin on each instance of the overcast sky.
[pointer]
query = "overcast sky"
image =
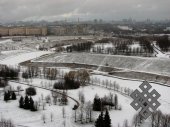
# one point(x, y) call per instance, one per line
point(51, 10)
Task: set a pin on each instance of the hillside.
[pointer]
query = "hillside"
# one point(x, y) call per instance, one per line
point(153, 65)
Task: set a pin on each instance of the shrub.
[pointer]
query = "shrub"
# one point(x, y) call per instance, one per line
point(3, 83)
point(31, 91)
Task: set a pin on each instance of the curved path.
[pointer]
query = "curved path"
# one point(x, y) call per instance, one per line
point(77, 103)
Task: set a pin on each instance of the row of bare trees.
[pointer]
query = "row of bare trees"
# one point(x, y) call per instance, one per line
point(51, 116)
point(158, 119)
point(84, 114)
point(6, 123)
point(47, 73)
point(111, 85)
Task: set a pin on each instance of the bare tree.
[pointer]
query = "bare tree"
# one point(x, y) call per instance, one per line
point(92, 80)
point(83, 76)
point(110, 99)
point(43, 117)
point(39, 101)
point(19, 89)
point(81, 113)
point(88, 110)
point(51, 116)
point(42, 97)
point(63, 112)
point(110, 84)
point(82, 99)
point(43, 105)
point(36, 105)
point(55, 96)
point(136, 120)
point(126, 123)
point(114, 85)
point(48, 99)
point(6, 123)
point(79, 95)
point(106, 83)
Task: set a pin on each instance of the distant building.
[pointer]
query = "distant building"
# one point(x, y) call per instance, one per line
point(4, 31)
point(23, 31)
point(63, 30)
point(16, 31)
point(36, 31)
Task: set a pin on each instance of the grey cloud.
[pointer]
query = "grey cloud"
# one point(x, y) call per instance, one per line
point(15, 10)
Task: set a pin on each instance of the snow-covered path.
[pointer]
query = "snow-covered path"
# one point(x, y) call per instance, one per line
point(158, 51)
point(58, 122)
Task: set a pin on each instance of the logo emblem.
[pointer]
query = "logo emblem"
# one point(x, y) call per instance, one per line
point(147, 101)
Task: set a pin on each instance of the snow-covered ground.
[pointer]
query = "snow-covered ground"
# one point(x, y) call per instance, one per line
point(159, 53)
point(104, 45)
point(10, 110)
point(136, 45)
point(124, 27)
point(13, 58)
point(162, 90)
point(5, 41)
point(153, 65)
point(117, 117)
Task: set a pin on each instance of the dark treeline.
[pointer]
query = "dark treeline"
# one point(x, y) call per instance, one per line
point(31, 91)
point(6, 74)
point(73, 80)
point(122, 46)
point(28, 103)
point(164, 43)
point(9, 73)
point(69, 82)
point(103, 120)
point(107, 102)
point(30, 73)
point(3, 82)
point(9, 95)
point(104, 40)
point(146, 45)
point(47, 73)
point(86, 46)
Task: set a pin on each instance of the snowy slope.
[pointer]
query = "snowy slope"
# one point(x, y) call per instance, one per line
point(158, 52)
point(154, 64)
point(15, 59)
point(5, 41)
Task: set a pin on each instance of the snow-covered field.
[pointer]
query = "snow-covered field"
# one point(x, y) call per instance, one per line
point(5, 41)
point(163, 90)
point(33, 119)
point(10, 110)
point(14, 57)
